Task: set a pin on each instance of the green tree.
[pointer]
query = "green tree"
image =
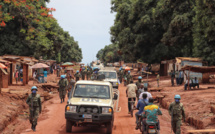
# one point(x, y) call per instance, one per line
point(204, 30)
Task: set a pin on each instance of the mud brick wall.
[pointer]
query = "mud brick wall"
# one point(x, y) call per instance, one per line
point(4, 80)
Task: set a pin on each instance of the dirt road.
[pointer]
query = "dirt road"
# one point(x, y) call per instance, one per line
point(124, 124)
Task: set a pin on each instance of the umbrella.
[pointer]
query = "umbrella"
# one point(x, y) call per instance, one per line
point(2, 66)
point(39, 65)
point(66, 64)
point(127, 68)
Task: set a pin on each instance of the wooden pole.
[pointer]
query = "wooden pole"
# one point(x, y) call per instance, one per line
point(188, 80)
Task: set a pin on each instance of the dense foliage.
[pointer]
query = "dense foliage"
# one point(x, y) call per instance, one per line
point(28, 28)
point(109, 54)
point(155, 30)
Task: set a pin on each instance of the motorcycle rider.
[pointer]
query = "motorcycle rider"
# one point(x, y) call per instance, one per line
point(149, 95)
point(150, 113)
point(140, 106)
point(138, 84)
point(176, 111)
point(131, 91)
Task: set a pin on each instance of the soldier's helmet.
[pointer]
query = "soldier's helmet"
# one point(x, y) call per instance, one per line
point(139, 78)
point(34, 88)
point(63, 76)
point(177, 96)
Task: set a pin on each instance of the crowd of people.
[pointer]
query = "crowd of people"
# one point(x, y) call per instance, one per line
point(134, 91)
point(148, 110)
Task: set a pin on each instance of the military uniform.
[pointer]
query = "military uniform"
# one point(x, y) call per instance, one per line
point(83, 74)
point(129, 78)
point(176, 110)
point(77, 76)
point(35, 108)
point(94, 76)
point(138, 84)
point(70, 86)
point(63, 83)
point(88, 74)
point(121, 75)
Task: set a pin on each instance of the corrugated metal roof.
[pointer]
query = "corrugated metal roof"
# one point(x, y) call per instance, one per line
point(200, 69)
point(189, 59)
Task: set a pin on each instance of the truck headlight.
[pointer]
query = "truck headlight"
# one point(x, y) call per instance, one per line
point(107, 110)
point(71, 109)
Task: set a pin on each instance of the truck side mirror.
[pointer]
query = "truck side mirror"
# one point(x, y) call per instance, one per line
point(115, 97)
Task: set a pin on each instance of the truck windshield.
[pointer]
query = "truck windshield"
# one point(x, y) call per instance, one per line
point(109, 75)
point(92, 91)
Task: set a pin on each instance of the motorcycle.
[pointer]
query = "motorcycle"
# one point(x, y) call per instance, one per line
point(151, 128)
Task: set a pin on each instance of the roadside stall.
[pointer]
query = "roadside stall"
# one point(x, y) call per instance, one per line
point(39, 67)
point(205, 70)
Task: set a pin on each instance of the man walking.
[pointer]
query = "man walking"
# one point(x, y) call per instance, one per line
point(77, 76)
point(131, 91)
point(158, 79)
point(83, 73)
point(35, 107)
point(172, 74)
point(88, 74)
point(71, 86)
point(129, 77)
point(177, 77)
point(63, 83)
point(176, 111)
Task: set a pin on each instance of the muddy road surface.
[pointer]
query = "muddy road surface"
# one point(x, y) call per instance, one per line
point(55, 123)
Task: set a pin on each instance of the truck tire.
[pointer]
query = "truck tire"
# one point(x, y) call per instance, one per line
point(68, 126)
point(109, 127)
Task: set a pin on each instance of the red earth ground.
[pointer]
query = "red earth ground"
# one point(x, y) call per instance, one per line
point(197, 105)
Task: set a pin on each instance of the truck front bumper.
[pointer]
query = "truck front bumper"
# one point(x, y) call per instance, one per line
point(96, 119)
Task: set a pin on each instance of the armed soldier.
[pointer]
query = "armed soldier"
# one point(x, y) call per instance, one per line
point(176, 110)
point(83, 73)
point(71, 86)
point(88, 73)
point(35, 107)
point(121, 73)
point(63, 83)
point(140, 88)
point(77, 76)
point(129, 77)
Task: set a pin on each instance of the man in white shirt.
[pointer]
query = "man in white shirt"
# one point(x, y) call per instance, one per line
point(186, 84)
point(149, 95)
point(131, 92)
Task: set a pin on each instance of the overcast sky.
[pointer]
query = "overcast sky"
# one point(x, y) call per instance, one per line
point(88, 21)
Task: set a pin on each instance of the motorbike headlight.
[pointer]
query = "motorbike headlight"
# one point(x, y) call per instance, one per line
point(71, 109)
point(106, 110)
